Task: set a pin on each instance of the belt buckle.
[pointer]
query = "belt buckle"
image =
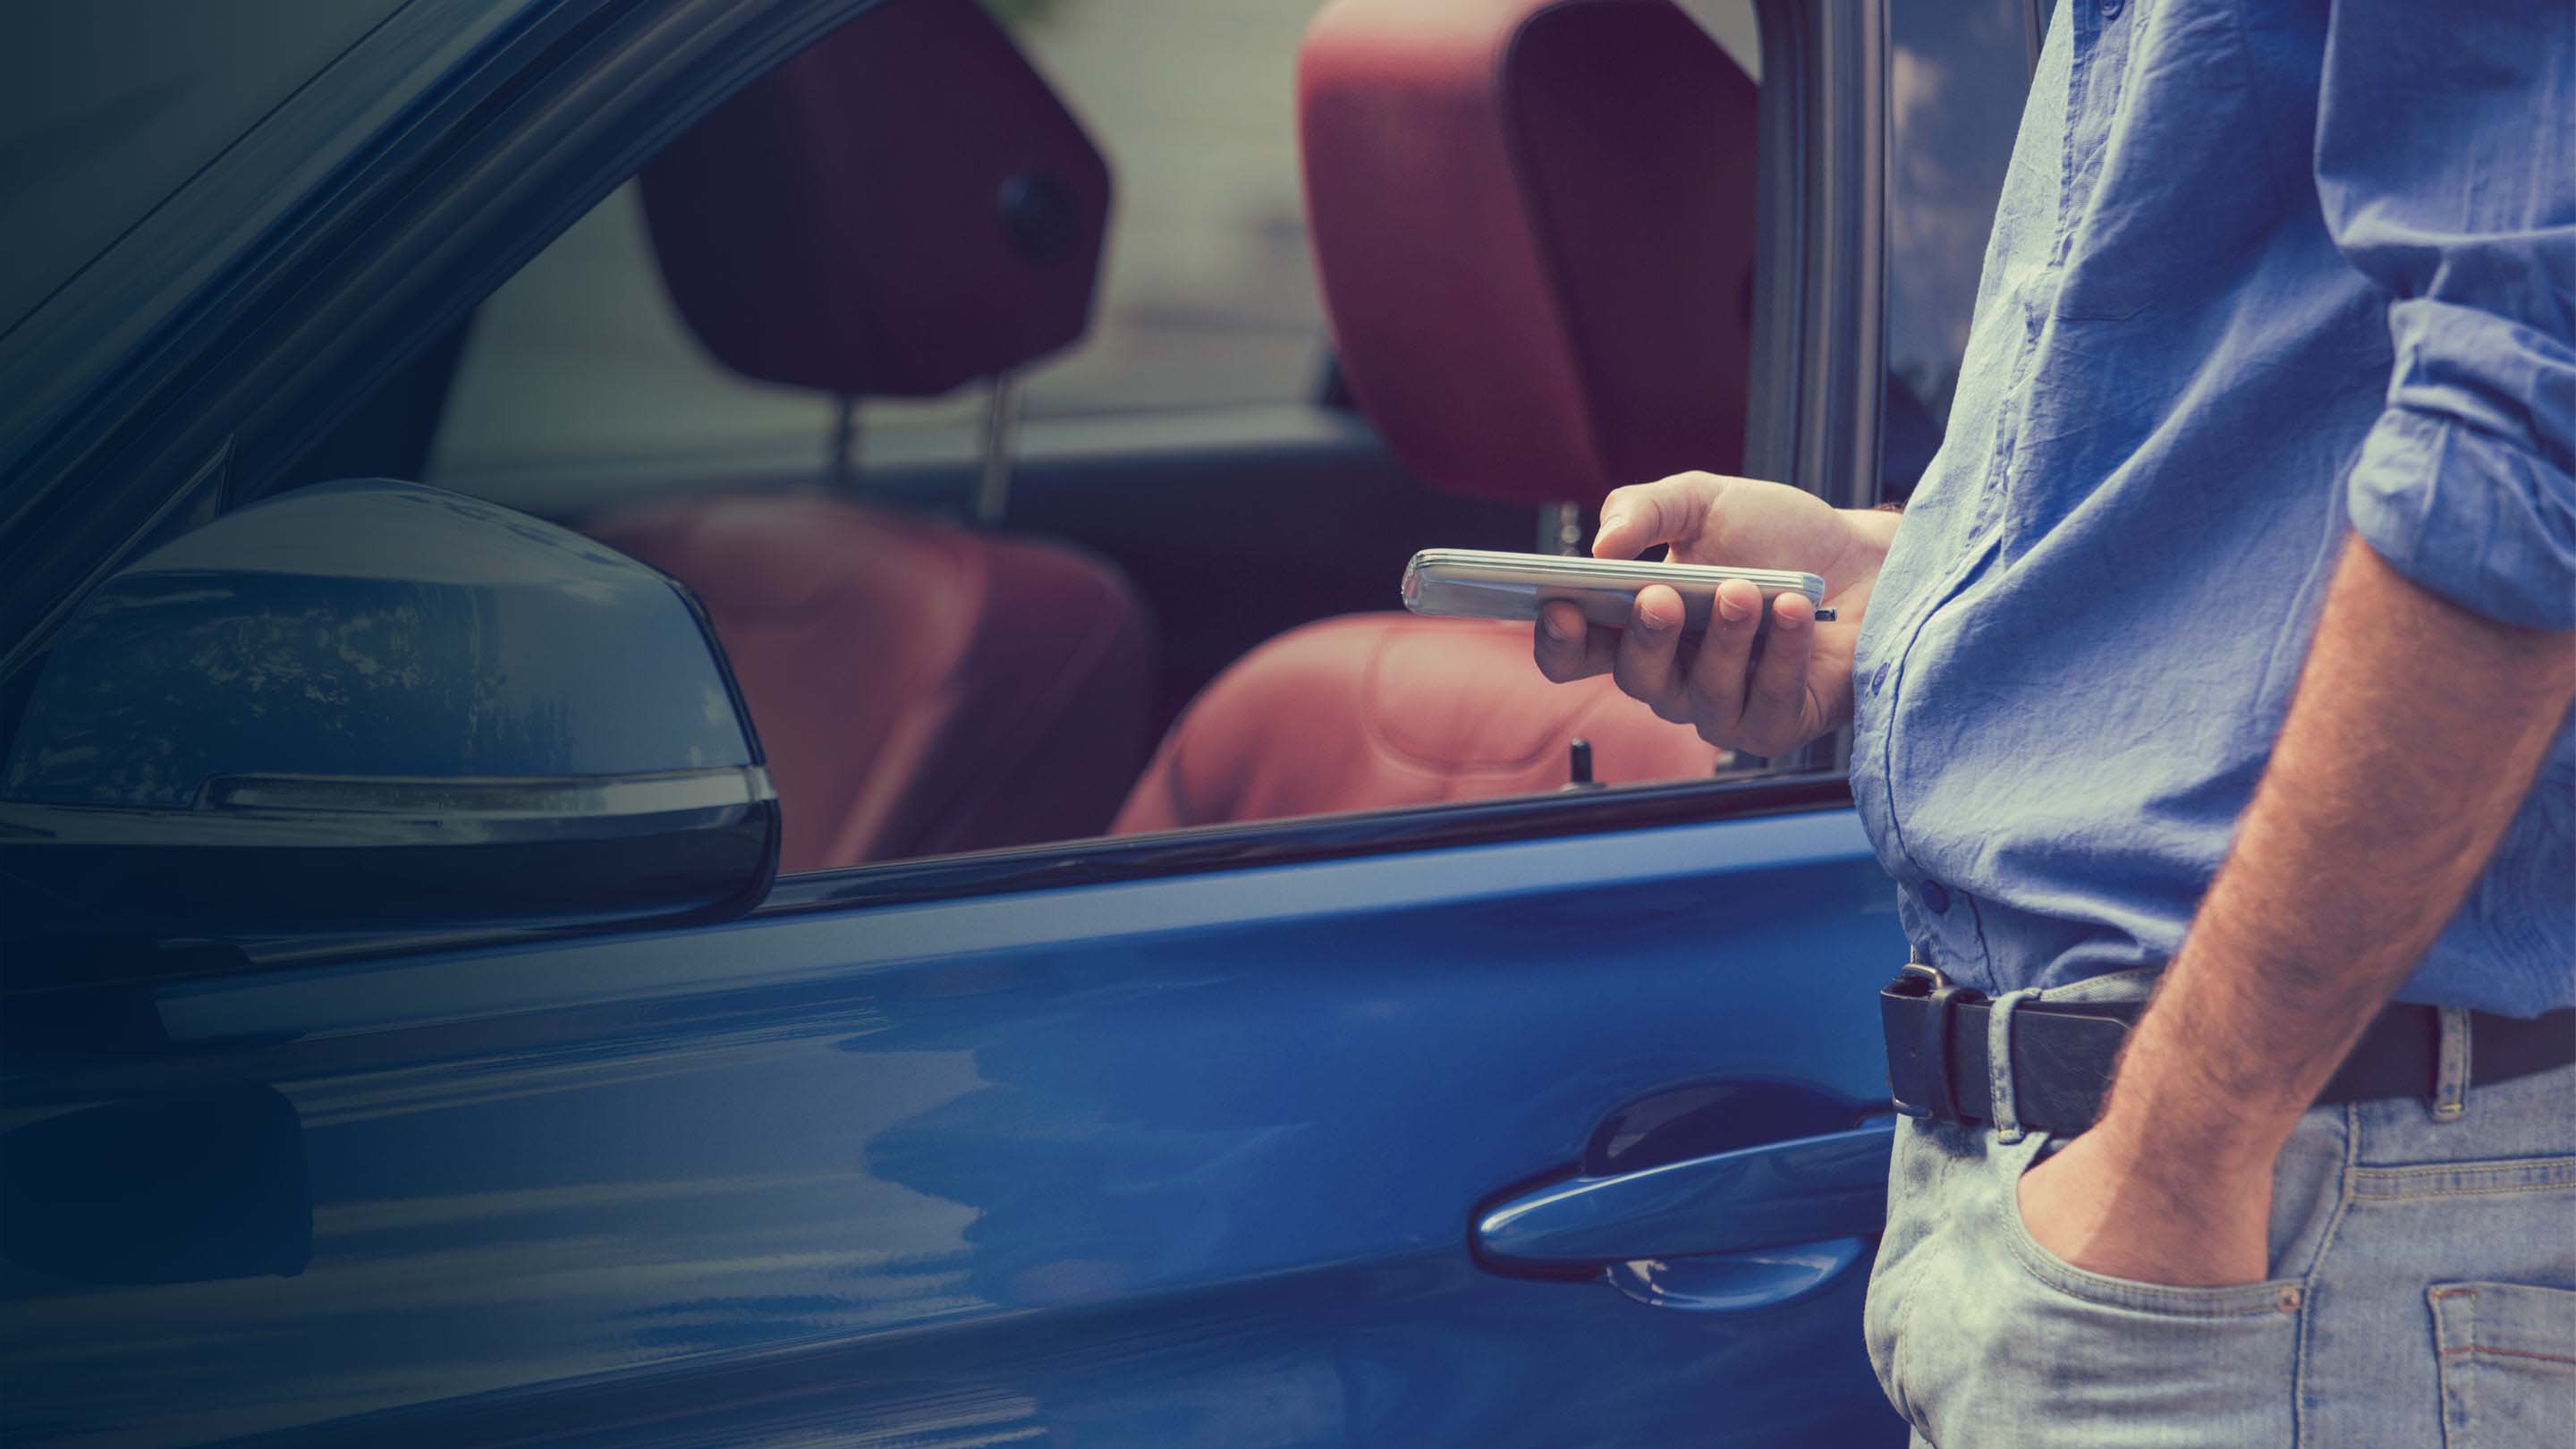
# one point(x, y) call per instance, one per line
point(1931, 1047)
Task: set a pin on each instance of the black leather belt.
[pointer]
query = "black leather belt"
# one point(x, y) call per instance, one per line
point(2063, 1052)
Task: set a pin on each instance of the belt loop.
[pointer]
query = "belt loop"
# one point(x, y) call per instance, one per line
point(2451, 1076)
point(1999, 1072)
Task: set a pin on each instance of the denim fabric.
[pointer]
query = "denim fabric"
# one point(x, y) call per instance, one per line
point(2263, 272)
point(2424, 1294)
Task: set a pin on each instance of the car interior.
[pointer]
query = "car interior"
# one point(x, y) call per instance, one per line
point(1568, 310)
point(922, 687)
point(1533, 296)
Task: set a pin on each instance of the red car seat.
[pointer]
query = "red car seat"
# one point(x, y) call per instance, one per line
point(901, 208)
point(1534, 225)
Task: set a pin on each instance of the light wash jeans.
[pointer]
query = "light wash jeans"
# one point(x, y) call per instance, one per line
point(2423, 1297)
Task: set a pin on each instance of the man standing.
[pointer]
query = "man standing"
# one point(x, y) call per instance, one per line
point(2223, 653)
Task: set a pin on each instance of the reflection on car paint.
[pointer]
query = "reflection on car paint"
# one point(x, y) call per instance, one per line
point(813, 1168)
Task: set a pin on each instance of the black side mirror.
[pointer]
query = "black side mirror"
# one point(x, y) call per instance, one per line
point(378, 706)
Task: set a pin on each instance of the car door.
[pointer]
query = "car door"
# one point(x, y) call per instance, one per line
point(1189, 1160)
point(1527, 1122)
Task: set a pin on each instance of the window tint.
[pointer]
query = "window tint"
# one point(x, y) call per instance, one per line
point(1191, 535)
point(1956, 78)
point(580, 383)
point(1206, 296)
point(927, 687)
point(106, 106)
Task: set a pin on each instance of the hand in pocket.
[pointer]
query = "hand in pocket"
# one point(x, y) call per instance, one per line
point(2107, 1207)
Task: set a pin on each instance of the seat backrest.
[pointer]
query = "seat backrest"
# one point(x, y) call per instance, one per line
point(903, 207)
point(1534, 224)
point(919, 689)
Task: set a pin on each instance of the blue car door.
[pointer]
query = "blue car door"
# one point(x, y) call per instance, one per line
point(1527, 1142)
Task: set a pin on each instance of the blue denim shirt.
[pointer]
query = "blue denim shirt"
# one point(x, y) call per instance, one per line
point(2260, 274)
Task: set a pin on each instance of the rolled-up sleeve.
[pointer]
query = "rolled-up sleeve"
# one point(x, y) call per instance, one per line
point(2444, 165)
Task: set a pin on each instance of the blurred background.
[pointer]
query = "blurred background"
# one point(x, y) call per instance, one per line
point(579, 382)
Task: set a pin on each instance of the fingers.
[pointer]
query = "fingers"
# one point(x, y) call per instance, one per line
point(1567, 648)
point(1714, 690)
point(1668, 510)
point(1646, 664)
point(1736, 700)
point(1775, 700)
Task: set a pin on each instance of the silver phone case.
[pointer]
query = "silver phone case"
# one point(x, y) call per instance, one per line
point(1474, 583)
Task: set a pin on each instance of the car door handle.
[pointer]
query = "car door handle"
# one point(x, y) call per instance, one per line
point(1802, 1191)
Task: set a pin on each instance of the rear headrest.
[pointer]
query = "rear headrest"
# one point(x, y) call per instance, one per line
point(1534, 221)
point(903, 207)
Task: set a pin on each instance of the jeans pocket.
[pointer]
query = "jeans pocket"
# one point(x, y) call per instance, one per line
point(2508, 1363)
point(2002, 1347)
point(2228, 1300)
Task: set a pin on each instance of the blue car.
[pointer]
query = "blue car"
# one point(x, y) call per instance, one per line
point(542, 902)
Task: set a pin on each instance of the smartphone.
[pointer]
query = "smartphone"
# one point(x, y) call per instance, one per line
point(1475, 583)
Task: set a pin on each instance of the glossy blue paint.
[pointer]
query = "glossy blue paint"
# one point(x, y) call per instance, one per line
point(1181, 1162)
point(1777, 1194)
point(372, 629)
point(1738, 1282)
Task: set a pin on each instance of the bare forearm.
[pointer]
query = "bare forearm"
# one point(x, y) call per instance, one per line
point(2412, 740)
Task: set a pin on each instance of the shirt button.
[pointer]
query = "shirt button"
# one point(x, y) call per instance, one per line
point(2111, 8)
point(1937, 896)
point(1877, 677)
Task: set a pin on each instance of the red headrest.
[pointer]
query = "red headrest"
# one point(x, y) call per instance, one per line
point(1534, 224)
point(901, 208)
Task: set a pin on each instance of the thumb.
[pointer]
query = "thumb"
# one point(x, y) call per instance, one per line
point(1668, 510)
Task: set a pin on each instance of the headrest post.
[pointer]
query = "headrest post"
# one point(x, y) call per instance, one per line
point(844, 473)
point(1560, 528)
point(1001, 440)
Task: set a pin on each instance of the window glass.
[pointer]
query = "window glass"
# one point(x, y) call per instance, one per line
point(1956, 77)
point(1207, 295)
point(106, 106)
point(924, 687)
point(580, 383)
point(1180, 502)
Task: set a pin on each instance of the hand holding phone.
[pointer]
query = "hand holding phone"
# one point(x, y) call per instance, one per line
point(1766, 701)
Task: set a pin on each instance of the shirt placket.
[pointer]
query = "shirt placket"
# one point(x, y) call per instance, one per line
point(1951, 917)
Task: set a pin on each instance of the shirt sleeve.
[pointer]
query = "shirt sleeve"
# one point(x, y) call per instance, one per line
point(2443, 163)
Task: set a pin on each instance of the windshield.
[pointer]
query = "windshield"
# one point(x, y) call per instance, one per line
point(108, 106)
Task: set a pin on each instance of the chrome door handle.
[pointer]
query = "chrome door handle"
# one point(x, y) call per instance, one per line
point(1802, 1191)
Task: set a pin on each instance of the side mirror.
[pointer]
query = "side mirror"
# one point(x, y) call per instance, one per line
point(376, 706)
